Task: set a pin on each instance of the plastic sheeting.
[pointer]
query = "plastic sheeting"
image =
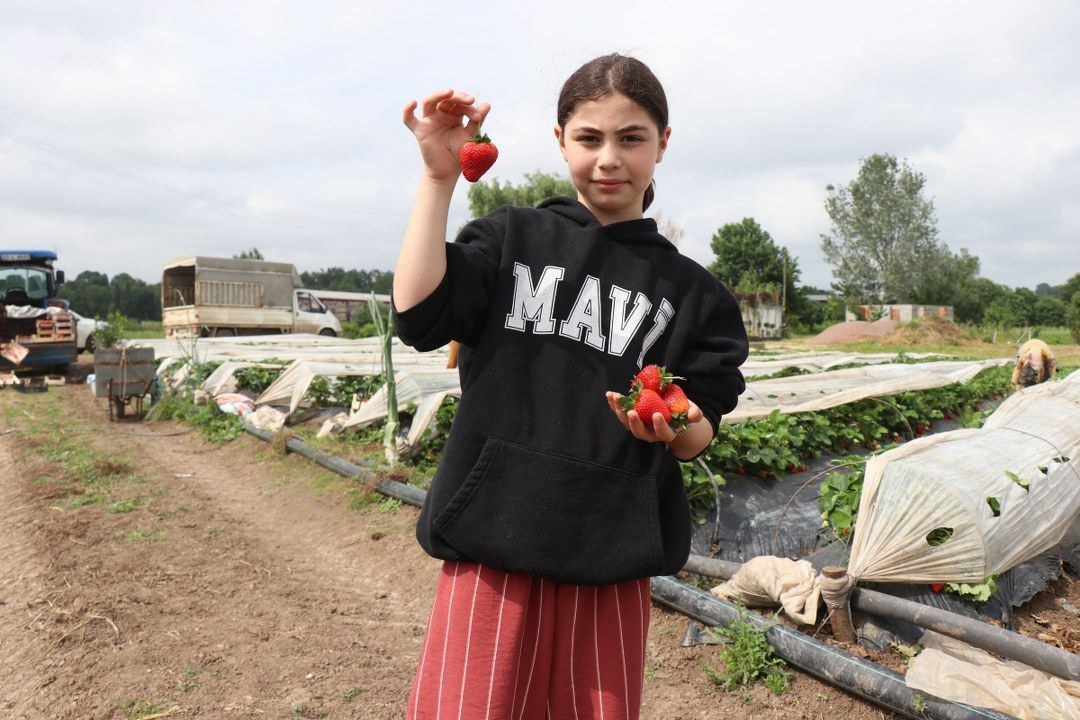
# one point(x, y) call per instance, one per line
point(806, 393)
point(414, 386)
point(953, 670)
point(1025, 461)
point(291, 385)
point(285, 347)
point(819, 361)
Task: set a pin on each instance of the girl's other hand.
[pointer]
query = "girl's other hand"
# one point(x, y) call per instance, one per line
point(439, 130)
point(652, 429)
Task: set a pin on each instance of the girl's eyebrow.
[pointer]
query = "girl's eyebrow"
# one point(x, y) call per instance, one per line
point(628, 128)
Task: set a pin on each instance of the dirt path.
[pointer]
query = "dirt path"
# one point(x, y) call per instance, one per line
point(146, 575)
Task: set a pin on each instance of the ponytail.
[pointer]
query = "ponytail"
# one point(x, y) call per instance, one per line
point(650, 193)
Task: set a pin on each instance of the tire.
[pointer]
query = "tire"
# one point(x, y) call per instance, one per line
point(327, 332)
point(91, 344)
point(224, 332)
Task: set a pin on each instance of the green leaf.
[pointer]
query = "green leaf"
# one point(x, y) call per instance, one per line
point(939, 535)
point(995, 506)
point(1022, 482)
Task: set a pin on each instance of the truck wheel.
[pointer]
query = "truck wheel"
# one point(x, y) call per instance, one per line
point(224, 332)
point(91, 344)
point(327, 332)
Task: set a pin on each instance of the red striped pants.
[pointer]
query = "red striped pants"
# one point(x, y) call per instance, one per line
point(514, 647)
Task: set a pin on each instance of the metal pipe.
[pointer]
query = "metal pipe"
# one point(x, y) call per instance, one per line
point(861, 677)
point(1029, 651)
point(401, 491)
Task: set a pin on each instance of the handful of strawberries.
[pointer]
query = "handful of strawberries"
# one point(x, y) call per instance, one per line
point(653, 391)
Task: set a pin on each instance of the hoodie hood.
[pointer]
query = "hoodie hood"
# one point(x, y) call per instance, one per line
point(642, 230)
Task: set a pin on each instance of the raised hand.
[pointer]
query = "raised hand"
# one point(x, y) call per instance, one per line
point(440, 132)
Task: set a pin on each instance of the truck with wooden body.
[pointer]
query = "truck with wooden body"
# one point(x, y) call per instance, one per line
point(223, 297)
point(37, 332)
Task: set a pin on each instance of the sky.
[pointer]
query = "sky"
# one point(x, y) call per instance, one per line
point(133, 132)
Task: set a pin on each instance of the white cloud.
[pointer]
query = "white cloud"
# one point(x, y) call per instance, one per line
point(278, 124)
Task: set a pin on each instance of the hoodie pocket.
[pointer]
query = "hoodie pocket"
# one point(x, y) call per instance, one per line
point(563, 519)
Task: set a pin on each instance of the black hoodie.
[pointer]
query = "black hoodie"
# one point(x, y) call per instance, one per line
point(552, 310)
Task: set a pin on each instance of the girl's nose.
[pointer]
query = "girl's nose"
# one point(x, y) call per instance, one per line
point(608, 156)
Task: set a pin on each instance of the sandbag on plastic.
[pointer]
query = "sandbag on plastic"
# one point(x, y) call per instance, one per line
point(768, 581)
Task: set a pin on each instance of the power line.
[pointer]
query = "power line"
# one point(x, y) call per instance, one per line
point(191, 206)
point(14, 109)
point(338, 224)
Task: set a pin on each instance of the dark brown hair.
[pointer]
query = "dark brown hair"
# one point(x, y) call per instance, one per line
point(615, 74)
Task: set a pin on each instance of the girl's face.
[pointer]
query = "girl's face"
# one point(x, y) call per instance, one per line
point(612, 146)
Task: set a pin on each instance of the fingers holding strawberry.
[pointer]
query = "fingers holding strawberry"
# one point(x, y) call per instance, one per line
point(447, 120)
point(656, 409)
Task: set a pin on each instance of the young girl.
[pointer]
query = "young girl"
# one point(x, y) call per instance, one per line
point(552, 507)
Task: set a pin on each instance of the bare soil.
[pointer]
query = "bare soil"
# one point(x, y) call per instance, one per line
point(145, 573)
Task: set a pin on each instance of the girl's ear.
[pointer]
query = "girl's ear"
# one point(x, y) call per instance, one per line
point(663, 143)
point(561, 139)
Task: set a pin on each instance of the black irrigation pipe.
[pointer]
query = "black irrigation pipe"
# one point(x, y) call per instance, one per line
point(1037, 654)
point(401, 491)
point(858, 676)
point(861, 677)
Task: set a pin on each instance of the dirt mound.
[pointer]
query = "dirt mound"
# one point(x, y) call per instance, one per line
point(854, 331)
point(931, 331)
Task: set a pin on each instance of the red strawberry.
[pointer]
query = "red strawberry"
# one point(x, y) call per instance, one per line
point(674, 397)
point(646, 403)
point(477, 156)
point(937, 587)
point(654, 378)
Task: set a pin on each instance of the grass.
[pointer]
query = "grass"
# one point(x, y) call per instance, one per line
point(144, 330)
point(1066, 353)
point(86, 475)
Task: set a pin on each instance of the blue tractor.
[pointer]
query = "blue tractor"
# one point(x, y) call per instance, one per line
point(37, 333)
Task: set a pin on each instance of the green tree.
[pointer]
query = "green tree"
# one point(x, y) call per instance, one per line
point(747, 258)
point(1048, 311)
point(337, 278)
point(1005, 312)
point(488, 196)
point(1072, 316)
point(883, 229)
point(944, 277)
point(252, 254)
point(971, 304)
point(1070, 289)
point(88, 294)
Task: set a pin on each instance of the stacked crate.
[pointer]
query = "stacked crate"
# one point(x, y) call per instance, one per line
point(59, 326)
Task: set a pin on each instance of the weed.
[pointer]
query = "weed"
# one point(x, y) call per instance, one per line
point(302, 712)
point(213, 424)
point(349, 695)
point(919, 703)
point(748, 657)
point(138, 707)
point(140, 534)
point(121, 506)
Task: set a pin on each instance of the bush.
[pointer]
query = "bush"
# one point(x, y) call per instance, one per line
point(112, 331)
point(1072, 317)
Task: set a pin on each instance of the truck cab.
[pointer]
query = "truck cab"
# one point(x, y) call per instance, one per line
point(36, 331)
point(312, 316)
